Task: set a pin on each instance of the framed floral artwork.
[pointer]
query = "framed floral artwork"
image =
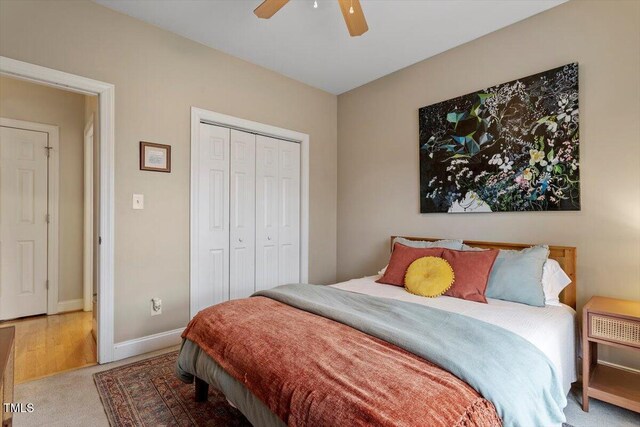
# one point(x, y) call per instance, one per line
point(510, 147)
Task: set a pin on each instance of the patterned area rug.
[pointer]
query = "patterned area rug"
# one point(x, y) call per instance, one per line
point(148, 393)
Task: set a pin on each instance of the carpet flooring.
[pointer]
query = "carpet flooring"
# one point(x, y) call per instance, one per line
point(71, 399)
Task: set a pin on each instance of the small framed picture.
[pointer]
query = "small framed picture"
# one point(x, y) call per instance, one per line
point(155, 157)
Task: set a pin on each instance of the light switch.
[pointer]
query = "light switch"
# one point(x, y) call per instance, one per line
point(138, 201)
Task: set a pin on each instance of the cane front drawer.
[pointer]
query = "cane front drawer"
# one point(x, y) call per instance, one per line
point(614, 329)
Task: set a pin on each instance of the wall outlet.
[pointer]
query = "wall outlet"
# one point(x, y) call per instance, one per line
point(138, 201)
point(156, 306)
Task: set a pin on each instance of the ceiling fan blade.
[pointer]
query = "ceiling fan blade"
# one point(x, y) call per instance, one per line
point(268, 8)
point(356, 24)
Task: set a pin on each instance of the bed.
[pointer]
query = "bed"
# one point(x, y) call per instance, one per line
point(364, 353)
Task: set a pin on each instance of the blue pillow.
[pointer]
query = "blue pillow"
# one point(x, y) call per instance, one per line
point(517, 276)
point(448, 244)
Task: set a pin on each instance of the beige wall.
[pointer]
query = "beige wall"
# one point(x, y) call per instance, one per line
point(41, 104)
point(378, 177)
point(158, 76)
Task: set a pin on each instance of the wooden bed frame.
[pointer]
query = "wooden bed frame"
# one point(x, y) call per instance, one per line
point(565, 255)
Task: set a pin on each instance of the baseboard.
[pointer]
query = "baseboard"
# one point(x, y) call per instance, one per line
point(615, 365)
point(134, 347)
point(70, 305)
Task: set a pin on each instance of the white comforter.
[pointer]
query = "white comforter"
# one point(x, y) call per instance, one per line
point(552, 328)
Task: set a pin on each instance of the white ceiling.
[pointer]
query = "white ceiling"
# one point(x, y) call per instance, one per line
point(313, 45)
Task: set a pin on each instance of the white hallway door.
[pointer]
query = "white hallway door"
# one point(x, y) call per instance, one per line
point(23, 222)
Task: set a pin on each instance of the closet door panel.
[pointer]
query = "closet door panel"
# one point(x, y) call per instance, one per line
point(242, 215)
point(289, 212)
point(213, 216)
point(267, 223)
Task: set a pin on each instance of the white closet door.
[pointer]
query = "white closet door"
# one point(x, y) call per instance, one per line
point(289, 212)
point(242, 215)
point(213, 219)
point(267, 226)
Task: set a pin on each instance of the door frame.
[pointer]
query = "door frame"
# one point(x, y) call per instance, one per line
point(199, 115)
point(87, 251)
point(53, 185)
point(106, 93)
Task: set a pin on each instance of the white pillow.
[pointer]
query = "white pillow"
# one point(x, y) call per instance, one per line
point(554, 280)
point(381, 272)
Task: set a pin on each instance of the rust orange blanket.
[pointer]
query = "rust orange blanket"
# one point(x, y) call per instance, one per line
point(312, 371)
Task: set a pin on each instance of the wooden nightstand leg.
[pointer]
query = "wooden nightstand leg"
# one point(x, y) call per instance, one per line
point(586, 365)
point(590, 360)
point(586, 373)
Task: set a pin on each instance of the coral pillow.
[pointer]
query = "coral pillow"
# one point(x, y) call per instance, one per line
point(401, 257)
point(472, 269)
point(428, 276)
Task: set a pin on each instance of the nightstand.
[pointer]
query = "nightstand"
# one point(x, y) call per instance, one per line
point(616, 323)
point(7, 359)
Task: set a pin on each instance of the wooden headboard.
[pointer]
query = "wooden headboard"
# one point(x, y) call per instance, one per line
point(565, 255)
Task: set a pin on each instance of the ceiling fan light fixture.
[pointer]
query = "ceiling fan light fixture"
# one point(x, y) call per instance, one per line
point(351, 12)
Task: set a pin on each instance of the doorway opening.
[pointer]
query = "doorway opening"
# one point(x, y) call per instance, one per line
point(104, 269)
point(47, 225)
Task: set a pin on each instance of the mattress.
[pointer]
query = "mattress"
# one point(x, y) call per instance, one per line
point(345, 362)
point(552, 329)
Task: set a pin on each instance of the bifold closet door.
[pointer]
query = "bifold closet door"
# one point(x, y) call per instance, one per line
point(277, 212)
point(289, 212)
point(242, 215)
point(213, 215)
point(248, 214)
point(266, 212)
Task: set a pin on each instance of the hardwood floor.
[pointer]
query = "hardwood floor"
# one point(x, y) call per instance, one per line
point(46, 345)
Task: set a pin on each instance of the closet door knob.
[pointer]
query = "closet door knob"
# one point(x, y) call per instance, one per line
point(240, 240)
point(268, 237)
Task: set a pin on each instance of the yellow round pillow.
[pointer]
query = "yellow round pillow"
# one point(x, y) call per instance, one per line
point(429, 276)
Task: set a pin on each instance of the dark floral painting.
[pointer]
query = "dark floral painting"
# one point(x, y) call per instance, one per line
point(511, 147)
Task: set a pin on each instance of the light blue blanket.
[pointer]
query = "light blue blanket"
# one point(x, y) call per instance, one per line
point(503, 367)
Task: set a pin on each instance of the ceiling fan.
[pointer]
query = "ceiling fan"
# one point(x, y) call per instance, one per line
point(351, 10)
